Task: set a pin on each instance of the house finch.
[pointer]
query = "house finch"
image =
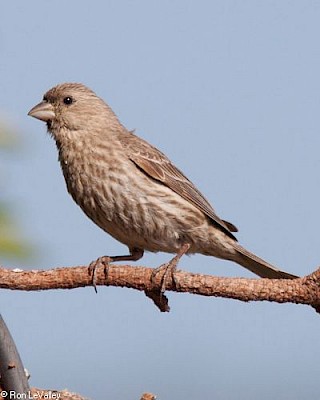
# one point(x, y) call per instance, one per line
point(130, 189)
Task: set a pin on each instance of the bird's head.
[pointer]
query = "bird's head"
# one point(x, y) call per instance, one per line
point(73, 108)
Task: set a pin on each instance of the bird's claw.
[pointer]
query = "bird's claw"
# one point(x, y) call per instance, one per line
point(169, 267)
point(94, 265)
point(166, 269)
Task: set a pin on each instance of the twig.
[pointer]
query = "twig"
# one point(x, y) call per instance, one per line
point(304, 290)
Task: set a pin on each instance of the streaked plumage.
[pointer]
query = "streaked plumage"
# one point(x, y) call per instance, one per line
point(132, 190)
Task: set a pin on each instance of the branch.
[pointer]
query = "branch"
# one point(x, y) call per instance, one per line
point(13, 378)
point(304, 290)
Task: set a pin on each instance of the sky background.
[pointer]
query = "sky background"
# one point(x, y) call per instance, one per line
point(230, 91)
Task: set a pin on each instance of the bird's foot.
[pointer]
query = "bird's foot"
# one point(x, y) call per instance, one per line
point(165, 269)
point(135, 254)
point(98, 263)
point(169, 268)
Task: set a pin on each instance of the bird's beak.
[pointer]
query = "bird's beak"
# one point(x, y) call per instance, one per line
point(43, 111)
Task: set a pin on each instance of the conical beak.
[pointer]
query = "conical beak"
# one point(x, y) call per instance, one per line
point(43, 111)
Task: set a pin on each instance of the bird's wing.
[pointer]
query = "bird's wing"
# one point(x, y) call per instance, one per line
point(155, 164)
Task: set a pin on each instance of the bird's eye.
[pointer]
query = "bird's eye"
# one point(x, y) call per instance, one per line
point(68, 100)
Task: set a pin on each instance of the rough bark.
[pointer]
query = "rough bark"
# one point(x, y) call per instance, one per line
point(305, 290)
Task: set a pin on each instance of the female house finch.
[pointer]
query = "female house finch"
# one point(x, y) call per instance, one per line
point(130, 189)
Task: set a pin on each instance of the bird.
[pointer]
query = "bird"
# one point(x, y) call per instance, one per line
point(130, 189)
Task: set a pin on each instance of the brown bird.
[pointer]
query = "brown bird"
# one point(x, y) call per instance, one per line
point(130, 189)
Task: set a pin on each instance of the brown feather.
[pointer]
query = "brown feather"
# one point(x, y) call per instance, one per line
point(156, 165)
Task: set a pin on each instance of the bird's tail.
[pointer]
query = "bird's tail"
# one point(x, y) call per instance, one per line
point(258, 266)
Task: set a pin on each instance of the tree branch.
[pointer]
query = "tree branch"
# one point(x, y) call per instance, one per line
point(304, 290)
point(13, 377)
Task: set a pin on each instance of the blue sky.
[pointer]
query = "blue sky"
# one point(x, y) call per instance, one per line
point(229, 90)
